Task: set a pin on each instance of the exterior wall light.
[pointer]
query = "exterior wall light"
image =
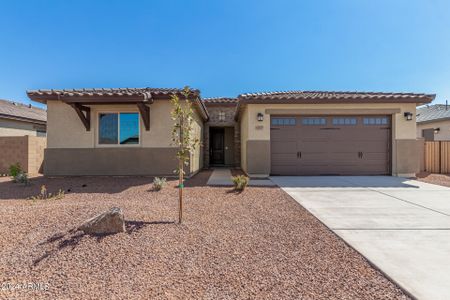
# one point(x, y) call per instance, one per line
point(408, 115)
point(436, 130)
point(260, 117)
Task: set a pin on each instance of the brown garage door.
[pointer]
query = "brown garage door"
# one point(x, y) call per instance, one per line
point(330, 145)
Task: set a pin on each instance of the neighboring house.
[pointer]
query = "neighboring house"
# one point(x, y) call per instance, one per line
point(128, 132)
point(18, 119)
point(433, 122)
point(22, 136)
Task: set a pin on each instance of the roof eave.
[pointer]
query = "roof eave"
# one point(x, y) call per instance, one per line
point(243, 100)
point(434, 120)
point(23, 119)
point(116, 99)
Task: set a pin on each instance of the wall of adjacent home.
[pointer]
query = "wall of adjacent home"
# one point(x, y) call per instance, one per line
point(17, 128)
point(255, 135)
point(442, 135)
point(74, 151)
point(28, 151)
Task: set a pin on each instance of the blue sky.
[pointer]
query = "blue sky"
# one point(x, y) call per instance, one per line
point(226, 47)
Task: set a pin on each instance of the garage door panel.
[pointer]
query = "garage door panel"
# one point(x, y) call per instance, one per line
point(344, 156)
point(333, 148)
point(312, 157)
point(375, 156)
point(312, 146)
point(283, 135)
point(373, 147)
point(283, 159)
point(284, 147)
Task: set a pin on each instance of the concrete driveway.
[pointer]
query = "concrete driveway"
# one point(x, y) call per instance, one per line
point(402, 226)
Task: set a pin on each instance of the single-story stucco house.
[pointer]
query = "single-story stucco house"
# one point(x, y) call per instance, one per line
point(128, 132)
point(433, 122)
point(17, 119)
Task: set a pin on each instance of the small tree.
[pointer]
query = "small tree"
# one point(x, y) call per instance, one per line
point(182, 137)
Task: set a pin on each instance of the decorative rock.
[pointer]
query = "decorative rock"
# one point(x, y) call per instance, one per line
point(108, 222)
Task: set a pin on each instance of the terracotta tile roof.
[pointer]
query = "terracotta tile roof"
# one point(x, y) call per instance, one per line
point(317, 97)
point(109, 92)
point(220, 100)
point(433, 113)
point(14, 110)
point(322, 95)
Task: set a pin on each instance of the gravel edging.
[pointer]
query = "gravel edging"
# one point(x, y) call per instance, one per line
point(373, 265)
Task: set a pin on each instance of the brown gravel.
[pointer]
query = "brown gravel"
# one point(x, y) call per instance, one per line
point(258, 244)
point(440, 179)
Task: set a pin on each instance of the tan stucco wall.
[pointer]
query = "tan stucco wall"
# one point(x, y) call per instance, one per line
point(64, 128)
point(444, 132)
point(251, 129)
point(244, 138)
point(197, 156)
point(66, 131)
point(16, 128)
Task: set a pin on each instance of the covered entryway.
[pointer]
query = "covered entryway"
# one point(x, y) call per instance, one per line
point(221, 148)
point(330, 145)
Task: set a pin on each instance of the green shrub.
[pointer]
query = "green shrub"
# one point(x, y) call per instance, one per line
point(240, 182)
point(15, 170)
point(22, 177)
point(159, 183)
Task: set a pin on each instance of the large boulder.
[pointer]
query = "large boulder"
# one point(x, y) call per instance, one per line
point(108, 222)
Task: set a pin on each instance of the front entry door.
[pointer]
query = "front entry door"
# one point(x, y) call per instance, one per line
point(217, 150)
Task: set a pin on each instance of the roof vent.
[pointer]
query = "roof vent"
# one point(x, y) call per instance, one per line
point(29, 105)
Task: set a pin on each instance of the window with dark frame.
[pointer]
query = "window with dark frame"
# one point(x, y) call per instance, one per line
point(118, 128)
point(375, 120)
point(344, 121)
point(314, 121)
point(283, 121)
point(221, 116)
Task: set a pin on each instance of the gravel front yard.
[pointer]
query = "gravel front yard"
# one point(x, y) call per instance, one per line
point(257, 244)
point(439, 179)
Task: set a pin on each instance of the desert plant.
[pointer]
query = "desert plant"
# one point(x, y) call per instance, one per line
point(159, 183)
point(14, 170)
point(21, 177)
point(43, 191)
point(44, 195)
point(182, 138)
point(240, 182)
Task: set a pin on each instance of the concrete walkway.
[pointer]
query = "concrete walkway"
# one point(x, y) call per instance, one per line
point(222, 177)
point(402, 226)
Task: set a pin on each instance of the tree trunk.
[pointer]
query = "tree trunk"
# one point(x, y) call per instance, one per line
point(181, 173)
point(180, 193)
